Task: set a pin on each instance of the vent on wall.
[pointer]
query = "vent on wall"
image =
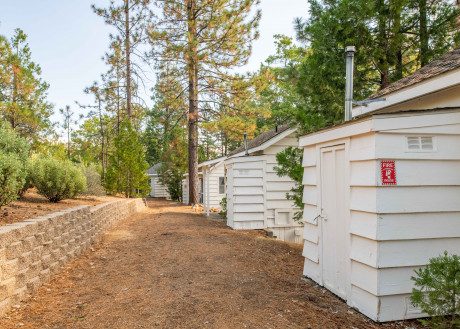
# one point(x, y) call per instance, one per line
point(420, 143)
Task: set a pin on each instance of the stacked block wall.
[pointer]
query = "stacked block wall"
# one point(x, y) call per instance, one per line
point(32, 250)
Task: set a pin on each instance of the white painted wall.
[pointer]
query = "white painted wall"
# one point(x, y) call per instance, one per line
point(158, 190)
point(215, 197)
point(256, 196)
point(392, 229)
point(185, 190)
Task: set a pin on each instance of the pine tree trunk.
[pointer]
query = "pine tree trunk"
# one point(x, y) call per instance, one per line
point(193, 105)
point(128, 60)
point(118, 101)
point(424, 56)
point(68, 139)
point(102, 140)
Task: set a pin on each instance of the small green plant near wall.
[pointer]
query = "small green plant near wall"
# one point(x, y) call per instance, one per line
point(14, 152)
point(223, 212)
point(437, 291)
point(56, 180)
point(290, 164)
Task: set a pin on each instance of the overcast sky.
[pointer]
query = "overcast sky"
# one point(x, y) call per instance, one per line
point(68, 40)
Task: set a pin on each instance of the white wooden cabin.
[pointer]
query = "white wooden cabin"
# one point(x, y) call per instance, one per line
point(256, 196)
point(158, 190)
point(368, 225)
point(213, 172)
point(185, 186)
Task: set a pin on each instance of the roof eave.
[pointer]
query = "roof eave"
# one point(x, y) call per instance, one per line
point(441, 82)
point(265, 145)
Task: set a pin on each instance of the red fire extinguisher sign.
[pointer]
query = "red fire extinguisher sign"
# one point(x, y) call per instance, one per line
point(388, 171)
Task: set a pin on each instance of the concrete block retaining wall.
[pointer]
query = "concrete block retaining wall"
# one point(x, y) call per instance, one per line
point(32, 250)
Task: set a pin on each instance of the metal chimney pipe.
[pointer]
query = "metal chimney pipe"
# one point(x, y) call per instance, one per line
point(350, 50)
point(246, 144)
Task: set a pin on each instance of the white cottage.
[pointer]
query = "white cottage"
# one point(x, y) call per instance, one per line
point(213, 172)
point(256, 196)
point(158, 190)
point(382, 192)
point(185, 186)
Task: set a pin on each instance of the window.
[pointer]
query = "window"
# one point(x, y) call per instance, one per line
point(420, 144)
point(221, 185)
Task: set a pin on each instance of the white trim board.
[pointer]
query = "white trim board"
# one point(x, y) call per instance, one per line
point(441, 82)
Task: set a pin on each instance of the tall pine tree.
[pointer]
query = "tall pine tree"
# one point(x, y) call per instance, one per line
point(205, 39)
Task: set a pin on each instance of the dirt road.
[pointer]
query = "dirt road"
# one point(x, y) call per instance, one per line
point(167, 267)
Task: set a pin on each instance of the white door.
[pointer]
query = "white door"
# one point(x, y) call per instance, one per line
point(334, 220)
point(229, 189)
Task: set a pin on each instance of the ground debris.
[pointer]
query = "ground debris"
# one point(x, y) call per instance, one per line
point(182, 270)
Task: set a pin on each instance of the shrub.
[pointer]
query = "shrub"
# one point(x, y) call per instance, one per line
point(14, 151)
point(438, 291)
point(290, 164)
point(57, 180)
point(27, 180)
point(223, 212)
point(93, 181)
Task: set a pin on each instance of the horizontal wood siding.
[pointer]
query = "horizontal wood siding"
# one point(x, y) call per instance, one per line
point(311, 210)
point(279, 211)
point(158, 189)
point(394, 229)
point(215, 197)
point(248, 194)
point(185, 191)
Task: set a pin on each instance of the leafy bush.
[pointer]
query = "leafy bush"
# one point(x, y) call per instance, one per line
point(438, 291)
point(93, 181)
point(223, 212)
point(57, 180)
point(14, 151)
point(290, 164)
point(27, 181)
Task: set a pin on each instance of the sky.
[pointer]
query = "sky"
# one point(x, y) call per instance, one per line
point(68, 40)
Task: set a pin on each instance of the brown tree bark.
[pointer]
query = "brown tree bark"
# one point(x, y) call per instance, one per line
point(424, 55)
point(193, 104)
point(128, 60)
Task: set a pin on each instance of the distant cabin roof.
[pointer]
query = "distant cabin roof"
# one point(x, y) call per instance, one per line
point(212, 162)
point(154, 169)
point(261, 139)
point(445, 63)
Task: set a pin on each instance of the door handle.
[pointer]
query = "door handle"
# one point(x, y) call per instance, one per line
point(323, 215)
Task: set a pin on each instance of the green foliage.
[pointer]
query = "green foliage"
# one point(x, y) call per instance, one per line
point(93, 180)
point(22, 92)
point(14, 151)
point(56, 180)
point(437, 291)
point(28, 180)
point(223, 212)
point(126, 172)
point(290, 164)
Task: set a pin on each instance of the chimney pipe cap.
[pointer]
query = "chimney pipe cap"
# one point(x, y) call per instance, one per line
point(350, 49)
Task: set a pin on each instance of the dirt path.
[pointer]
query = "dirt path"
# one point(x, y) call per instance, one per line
point(169, 268)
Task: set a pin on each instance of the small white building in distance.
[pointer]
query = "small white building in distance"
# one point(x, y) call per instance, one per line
point(158, 190)
point(185, 187)
point(213, 173)
point(382, 192)
point(256, 195)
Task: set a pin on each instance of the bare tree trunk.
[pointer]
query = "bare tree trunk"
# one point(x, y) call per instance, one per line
point(128, 60)
point(118, 101)
point(102, 139)
point(68, 139)
point(424, 50)
point(193, 105)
